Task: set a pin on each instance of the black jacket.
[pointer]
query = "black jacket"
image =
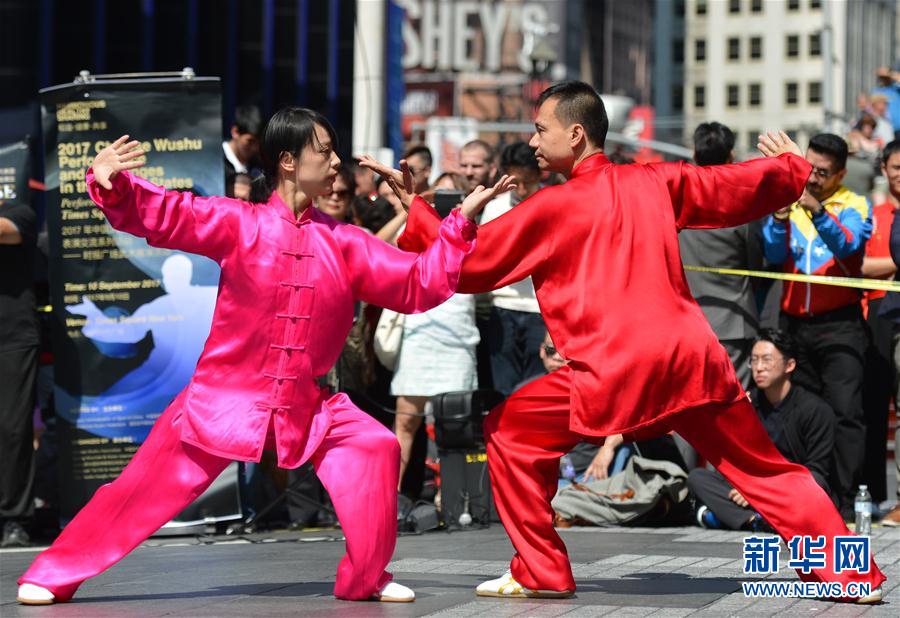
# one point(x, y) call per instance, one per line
point(808, 429)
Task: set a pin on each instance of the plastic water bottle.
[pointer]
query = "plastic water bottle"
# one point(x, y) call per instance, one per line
point(863, 507)
point(567, 468)
point(465, 518)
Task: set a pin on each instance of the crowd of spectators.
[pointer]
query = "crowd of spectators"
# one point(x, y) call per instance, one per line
point(875, 124)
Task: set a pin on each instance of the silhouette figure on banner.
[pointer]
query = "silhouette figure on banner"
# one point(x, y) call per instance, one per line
point(179, 321)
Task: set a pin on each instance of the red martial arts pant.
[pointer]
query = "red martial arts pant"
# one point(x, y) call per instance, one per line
point(358, 462)
point(529, 432)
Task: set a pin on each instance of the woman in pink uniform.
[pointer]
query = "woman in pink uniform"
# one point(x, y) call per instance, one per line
point(289, 277)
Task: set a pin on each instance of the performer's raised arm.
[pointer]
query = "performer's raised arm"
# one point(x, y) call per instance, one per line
point(383, 275)
point(167, 219)
point(509, 248)
point(718, 196)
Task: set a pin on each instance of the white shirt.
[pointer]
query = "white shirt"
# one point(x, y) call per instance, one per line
point(239, 167)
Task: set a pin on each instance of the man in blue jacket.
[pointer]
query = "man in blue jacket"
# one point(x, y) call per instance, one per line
point(824, 233)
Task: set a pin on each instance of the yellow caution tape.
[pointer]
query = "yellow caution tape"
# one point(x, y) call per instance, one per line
point(844, 282)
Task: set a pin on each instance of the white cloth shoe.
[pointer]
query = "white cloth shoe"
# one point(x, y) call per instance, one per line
point(506, 586)
point(29, 594)
point(395, 593)
point(874, 597)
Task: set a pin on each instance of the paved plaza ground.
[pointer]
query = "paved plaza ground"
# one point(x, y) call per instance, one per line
point(620, 572)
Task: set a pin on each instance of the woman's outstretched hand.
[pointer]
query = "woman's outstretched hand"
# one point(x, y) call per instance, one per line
point(479, 197)
point(118, 156)
point(400, 181)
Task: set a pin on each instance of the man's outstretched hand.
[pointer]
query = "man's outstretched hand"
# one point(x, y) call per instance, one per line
point(480, 196)
point(772, 144)
point(118, 156)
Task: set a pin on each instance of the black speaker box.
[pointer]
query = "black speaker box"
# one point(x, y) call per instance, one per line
point(465, 488)
point(458, 418)
point(459, 434)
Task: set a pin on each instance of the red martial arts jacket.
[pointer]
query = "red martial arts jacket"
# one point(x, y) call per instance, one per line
point(602, 250)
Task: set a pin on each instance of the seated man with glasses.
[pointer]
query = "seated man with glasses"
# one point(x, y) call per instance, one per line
point(824, 233)
point(800, 424)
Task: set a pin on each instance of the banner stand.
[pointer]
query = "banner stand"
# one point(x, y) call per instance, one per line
point(129, 320)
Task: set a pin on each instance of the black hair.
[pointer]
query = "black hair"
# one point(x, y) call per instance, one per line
point(372, 211)
point(247, 119)
point(459, 181)
point(290, 129)
point(891, 148)
point(489, 154)
point(831, 145)
point(713, 143)
point(782, 341)
point(579, 103)
point(346, 174)
point(518, 154)
point(421, 150)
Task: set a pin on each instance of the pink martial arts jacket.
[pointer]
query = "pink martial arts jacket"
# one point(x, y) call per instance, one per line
point(284, 307)
point(602, 251)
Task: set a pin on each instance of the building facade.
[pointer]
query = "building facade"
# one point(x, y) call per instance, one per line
point(796, 65)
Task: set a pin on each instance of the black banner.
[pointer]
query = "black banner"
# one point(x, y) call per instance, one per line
point(130, 320)
point(14, 169)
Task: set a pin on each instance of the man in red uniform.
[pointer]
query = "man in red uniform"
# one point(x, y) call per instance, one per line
point(642, 358)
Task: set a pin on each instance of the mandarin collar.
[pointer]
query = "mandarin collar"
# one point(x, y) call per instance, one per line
point(594, 162)
point(285, 212)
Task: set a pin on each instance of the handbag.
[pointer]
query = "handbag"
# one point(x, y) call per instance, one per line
point(389, 337)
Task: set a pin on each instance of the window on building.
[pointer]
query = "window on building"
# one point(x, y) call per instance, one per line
point(699, 97)
point(815, 4)
point(733, 95)
point(677, 98)
point(752, 139)
point(701, 7)
point(793, 5)
point(790, 93)
point(756, 47)
point(678, 50)
point(815, 44)
point(700, 50)
point(792, 45)
point(734, 48)
point(734, 6)
point(755, 95)
point(756, 6)
point(815, 93)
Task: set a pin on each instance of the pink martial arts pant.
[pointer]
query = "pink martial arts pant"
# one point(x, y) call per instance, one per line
point(358, 462)
point(529, 432)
